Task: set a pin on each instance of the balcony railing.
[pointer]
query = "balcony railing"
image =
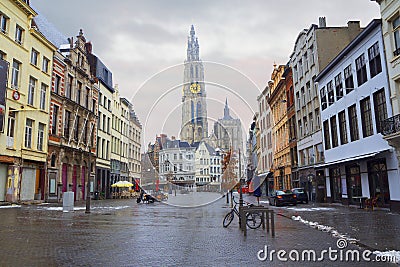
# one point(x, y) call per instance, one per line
point(391, 125)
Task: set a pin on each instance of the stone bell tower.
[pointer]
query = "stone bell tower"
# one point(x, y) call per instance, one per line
point(194, 126)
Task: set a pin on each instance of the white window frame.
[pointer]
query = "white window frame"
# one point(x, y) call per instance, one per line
point(45, 65)
point(306, 65)
point(11, 128)
point(15, 74)
point(301, 71)
point(40, 140)
point(395, 24)
point(31, 90)
point(43, 89)
point(19, 32)
point(295, 74)
point(28, 133)
point(312, 55)
point(34, 57)
point(3, 23)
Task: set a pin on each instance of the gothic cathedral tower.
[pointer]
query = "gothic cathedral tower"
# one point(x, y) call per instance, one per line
point(194, 108)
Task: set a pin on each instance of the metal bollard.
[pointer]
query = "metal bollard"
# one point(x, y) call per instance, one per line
point(272, 224)
point(231, 199)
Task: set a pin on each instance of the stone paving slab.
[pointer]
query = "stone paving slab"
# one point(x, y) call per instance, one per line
point(124, 233)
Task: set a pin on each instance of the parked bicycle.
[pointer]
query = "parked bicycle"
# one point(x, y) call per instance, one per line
point(253, 219)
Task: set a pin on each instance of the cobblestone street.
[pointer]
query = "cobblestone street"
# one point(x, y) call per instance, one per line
point(124, 233)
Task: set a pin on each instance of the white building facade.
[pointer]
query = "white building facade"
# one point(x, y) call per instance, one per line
point(215, 169)
point(355, 99)
point(390, 11)
point(177, 163)
point(266, 159)
point(264, 111)
point(314, 49)
point(202, 163)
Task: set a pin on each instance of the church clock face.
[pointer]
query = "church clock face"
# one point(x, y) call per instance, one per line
point(195, 88)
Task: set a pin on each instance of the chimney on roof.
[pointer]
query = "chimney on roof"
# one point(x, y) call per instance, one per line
point(163, 138)
point(354, 25)
point(322, 22)
point(71, 42)
point(88, 47)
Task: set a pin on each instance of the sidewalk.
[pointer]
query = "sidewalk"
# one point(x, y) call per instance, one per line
point(373, 230)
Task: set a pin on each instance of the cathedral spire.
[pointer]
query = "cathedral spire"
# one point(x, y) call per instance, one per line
point(227, 116)
point(192, 32)
point(193, 46)
point(194, 127)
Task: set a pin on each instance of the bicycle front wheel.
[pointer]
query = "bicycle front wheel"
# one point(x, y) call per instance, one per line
point(228, 219)
point(253, 220)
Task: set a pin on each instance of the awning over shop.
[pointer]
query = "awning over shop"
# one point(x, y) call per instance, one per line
point(348, 159)
point(265, 175)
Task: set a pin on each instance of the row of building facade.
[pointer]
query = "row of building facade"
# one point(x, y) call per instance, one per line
point(180, 165)
point(62, 122)
point(328, 119)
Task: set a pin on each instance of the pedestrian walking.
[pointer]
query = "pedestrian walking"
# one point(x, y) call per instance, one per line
point(257, 188)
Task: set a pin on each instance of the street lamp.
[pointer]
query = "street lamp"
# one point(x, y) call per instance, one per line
point(240, 182)
point(88, 181)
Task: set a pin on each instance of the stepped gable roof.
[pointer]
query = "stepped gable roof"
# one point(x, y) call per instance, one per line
point(210, 149)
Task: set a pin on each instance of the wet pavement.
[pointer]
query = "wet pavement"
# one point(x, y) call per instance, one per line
point(375, 230)
point(124, 233)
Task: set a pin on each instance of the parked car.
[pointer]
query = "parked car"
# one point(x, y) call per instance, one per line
point(283, 197)
point(301, 195)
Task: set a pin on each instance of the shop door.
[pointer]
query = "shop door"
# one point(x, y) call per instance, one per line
point(353, 177)
point(28, 184)
point(74, 182)
point(378, 181)
point(64, 177)
point(336, 184)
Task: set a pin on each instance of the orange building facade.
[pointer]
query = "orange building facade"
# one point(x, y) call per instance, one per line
point(280, 130)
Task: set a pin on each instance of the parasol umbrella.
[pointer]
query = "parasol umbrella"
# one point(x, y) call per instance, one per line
point(122, 184)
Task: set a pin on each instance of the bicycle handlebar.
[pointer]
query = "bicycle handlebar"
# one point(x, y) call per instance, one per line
point(247, 203)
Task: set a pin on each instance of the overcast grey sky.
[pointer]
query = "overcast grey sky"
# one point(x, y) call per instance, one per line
point(138, 39)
